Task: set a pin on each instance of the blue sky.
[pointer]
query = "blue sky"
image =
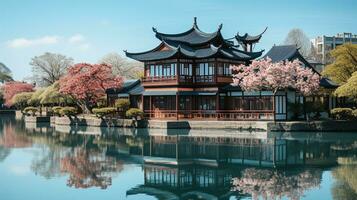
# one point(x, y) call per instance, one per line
point(86, 30)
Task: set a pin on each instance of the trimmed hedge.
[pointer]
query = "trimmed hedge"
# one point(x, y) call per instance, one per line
point(343, 113)
point(122, 104)
point(31, 110)
point(56, 110)
point(69, 111)
point(134, 113)
point(101, 112)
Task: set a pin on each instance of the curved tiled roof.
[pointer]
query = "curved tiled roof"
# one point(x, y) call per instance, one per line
point(188, 52)
point(193, 36)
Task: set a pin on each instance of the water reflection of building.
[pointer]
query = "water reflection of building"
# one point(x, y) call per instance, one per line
point(186, 182)
point(211, 151)
point(203, 182)
point(201, 167)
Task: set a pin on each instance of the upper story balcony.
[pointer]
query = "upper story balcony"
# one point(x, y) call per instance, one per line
point(187, 74)
point(186, 80)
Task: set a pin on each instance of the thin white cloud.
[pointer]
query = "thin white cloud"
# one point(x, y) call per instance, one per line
point(84, 46)
point(76, 41)
point(25, 42)
point(78, 38)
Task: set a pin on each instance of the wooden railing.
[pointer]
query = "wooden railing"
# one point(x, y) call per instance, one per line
point(211, 114)
point(159, 78)
point(205, 79)
point(188, 79)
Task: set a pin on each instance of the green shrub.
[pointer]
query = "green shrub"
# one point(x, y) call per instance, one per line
point(20, 100)
point(31, 110)
point(134, 113)
point(69, 111)
point(354, 114)
point(101, 112)
point(57, 110)
point(122, 104)
point(342, 113)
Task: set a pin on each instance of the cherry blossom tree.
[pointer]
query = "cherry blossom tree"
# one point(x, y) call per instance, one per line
point(13, 88)
point(90, 169)
point(87, 83)
point(265, 75)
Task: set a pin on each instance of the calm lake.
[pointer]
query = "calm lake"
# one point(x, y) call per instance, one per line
point(39, 161)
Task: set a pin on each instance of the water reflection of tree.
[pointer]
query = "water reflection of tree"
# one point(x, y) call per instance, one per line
point(13, 139)
point(46, 162)
point(346, 182)
point(270, 184)
point(4, 152)
point(89, 169)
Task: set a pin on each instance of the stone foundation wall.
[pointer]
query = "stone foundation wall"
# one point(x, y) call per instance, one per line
point(250, 126)
point(236, 125)
point(37, 119)
point(325, 126)
point(96, 122)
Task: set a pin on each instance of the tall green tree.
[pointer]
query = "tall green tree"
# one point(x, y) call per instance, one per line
point(344, 65)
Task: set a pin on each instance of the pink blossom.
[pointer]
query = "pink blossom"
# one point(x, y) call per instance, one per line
point(87, 83)
point(266, 75)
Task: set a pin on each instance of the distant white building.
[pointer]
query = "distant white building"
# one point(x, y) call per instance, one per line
point(324, 44)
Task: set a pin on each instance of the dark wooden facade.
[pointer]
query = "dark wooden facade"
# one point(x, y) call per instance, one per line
point(188, 76)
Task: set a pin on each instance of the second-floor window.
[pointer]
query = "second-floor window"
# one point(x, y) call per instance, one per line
point(162, 70)
point(205, 69)
point(186, 69)
point(224, 69)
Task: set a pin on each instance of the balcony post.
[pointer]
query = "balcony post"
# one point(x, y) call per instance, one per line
point(217, 105)
point(178, 71)
point(150, 107)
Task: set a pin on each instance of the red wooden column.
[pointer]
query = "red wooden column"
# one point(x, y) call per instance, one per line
point(217, 105)
point(177, 98)
point(150, 107)
point(178, 71)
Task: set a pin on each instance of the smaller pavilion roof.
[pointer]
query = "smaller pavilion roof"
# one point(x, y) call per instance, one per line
point(281, 53)
point(130, 87)
point(246, 38)
point(328, 83)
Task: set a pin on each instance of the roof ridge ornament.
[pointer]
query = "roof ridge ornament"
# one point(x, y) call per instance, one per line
point(154, 29)
point(195, 21)
point(220, 27)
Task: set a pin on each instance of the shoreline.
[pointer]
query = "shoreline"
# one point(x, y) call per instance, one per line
point(250, 126)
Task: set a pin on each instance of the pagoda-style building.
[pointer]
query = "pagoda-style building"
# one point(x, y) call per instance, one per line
point(188, 76)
